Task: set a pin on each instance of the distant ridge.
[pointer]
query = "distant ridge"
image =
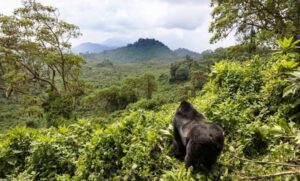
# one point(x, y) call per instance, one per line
point(182, 52)
point(91, 48)
point(141, 50)
point(116, 42)
point(144, 49)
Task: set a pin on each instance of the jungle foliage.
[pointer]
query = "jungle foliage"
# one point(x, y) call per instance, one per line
point(113, 121)
point(251, 100)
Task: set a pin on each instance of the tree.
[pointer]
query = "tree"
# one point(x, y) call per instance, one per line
point(107, 99)
point(34, 51)
point(187, 91)
point(132, 83)
point(148, 84)
point(260, 20)
point(198, 79)
point(180, 70)
point(58, 108)
point(183, 72)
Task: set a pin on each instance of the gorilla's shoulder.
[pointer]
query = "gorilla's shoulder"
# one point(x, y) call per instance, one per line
point(186, 110)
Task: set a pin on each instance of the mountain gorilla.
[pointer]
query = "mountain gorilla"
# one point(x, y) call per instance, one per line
point(198, 142)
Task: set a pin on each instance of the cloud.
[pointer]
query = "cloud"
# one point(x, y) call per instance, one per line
point(116, 15)
point(178, 23)
point(188, 1)
point(9, 6)
point(188, 17)
point(113, 15)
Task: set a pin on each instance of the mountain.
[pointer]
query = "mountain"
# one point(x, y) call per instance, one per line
point(182, 53)
point(142, 50)
point(116, 42)
point(91, 48)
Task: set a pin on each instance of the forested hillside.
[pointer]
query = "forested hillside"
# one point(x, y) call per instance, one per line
point(182, 52)
point(141, 50)
point(65, 118)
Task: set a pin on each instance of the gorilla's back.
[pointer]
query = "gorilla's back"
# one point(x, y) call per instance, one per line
point(186, 129)
point(206, 143)
point(207, 133)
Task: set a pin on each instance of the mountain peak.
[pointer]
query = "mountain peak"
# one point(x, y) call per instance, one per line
point(148, 42)
point(142, 50)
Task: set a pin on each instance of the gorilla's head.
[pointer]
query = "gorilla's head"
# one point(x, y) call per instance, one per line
point(186, 110)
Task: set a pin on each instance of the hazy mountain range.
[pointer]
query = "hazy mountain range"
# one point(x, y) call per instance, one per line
point(91, 48)
point(183, 52)
point(141, 50)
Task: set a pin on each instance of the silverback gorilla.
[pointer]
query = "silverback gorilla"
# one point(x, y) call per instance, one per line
point(198, 142)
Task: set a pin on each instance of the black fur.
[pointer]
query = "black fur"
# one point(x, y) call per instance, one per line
point(197, 142)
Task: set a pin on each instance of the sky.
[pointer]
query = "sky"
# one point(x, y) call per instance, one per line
point(176, 23)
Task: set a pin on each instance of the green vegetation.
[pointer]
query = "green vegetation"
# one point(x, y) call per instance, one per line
point(113, 121)
point(245, 98)
point(34, 58)
point(33, 55)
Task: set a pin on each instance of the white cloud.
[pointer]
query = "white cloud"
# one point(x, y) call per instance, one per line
point(178, 23)
point(187, 17)
point(188, 1)
point(7, 7)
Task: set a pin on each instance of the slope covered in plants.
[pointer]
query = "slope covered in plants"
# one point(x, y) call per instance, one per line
point(252, 100)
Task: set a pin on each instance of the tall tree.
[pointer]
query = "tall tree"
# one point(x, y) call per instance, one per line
point(148, 84)
point(265, 19)
point(34, 51)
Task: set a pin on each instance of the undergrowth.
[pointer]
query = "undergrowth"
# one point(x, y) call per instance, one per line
point(245, 98)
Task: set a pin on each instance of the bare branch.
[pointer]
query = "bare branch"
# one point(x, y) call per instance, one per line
point(292, 172)
point(268, 163)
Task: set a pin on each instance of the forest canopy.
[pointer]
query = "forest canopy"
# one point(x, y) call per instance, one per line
point(35, 53)
point(262, 21)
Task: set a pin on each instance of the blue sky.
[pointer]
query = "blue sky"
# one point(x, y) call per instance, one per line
point(177, 23)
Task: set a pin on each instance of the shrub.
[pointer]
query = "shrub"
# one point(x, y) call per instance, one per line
point(14, 149)
point(58, 109)
point(49, 158)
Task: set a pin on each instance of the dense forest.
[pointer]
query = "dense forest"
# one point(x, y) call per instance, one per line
point(108, 116)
